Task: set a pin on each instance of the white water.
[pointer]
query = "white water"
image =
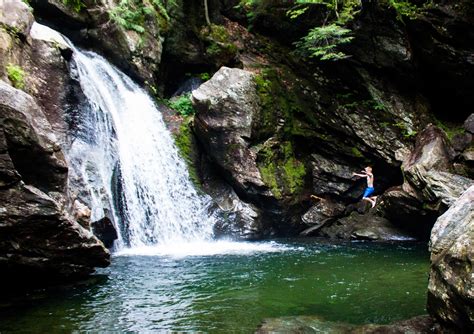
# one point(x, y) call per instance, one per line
point(121, 126)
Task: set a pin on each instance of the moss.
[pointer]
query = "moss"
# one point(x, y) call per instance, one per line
point(279, 104)
point(355, 152)
point(16, 75)
point(280, 170)
point(184, 141)
point(218, 42)
point(451, 129)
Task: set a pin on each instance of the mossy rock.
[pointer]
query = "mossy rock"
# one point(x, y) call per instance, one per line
point(281, 171)
point(186, 144)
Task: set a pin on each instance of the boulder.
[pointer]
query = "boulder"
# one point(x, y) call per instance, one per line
point(321, 213)
point(16, 16)
point(105, 231)
point(40, 238)
point(430, 186)
point(226, 105)
point(38, 232)
point(428, 170)
point(32, 145)
point(358, 226)
point(450, 289)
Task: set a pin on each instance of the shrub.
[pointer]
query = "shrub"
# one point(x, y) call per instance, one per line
point(183, 105)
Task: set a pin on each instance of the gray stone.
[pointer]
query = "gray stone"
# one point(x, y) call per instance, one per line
point(363, 227)
point(16, 16)
point(451, 284)
point(226, 105)
point(469, 124)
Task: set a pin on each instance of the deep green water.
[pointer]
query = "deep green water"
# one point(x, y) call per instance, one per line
point(234, 292)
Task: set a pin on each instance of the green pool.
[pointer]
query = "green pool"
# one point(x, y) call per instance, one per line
point(232, 288)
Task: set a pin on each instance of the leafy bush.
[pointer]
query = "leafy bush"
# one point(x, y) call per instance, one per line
point(132, 14)
point(16, 75)
point(183, 105)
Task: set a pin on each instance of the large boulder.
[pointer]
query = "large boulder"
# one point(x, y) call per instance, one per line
point(38, 232)
point(226, 106)
point(451, 284)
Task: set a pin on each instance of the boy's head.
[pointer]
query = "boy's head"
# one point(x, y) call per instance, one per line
point(368, 169)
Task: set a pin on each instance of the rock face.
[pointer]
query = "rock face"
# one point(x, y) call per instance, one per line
point(430, 185)
point(43, 230)
point(38, 232)
point(450, 290)
point(358, 226)
point(133, 44)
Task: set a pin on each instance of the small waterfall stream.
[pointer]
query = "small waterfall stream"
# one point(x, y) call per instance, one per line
point(125, 159)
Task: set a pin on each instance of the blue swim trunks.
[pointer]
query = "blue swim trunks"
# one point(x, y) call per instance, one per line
point(368, 191)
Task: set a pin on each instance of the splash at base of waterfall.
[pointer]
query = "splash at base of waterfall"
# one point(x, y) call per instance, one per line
point(220, 247)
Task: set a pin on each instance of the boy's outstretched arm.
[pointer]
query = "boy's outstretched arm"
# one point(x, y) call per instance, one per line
point(361, 175)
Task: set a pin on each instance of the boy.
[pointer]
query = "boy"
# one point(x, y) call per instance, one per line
point(370, 185)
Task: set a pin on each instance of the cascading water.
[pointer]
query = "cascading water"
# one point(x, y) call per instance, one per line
point(122, 152)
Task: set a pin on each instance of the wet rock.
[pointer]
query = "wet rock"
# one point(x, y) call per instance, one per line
point(239, 220)
point(450, 293)
point(38, 233)
point(313, 324)
point(105, 231)
point(39, 238)
point(407, 212)
point(82, 214)
point(321, 213)
point(358, 226)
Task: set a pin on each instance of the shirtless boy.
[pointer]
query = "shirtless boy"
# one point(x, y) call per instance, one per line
point(370, 185)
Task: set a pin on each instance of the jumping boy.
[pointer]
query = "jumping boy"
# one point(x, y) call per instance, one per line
point(370, 185)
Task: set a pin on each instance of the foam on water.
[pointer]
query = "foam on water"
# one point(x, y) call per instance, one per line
point(221, 247)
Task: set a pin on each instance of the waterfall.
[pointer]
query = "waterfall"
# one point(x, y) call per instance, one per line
point(125, 160)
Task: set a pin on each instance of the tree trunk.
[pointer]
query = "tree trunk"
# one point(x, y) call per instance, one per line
point(206, 13)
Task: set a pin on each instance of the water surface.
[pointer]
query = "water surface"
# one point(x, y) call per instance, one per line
point(232, 288)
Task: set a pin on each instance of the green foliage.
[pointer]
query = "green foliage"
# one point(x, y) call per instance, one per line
point(204, 76)
point(323, 42)
point(183, 105)
point(76, 5)
point(451, 129)
point(133, 14)
point(406, 131)
point(217, 38)
point(407, 9)
point(16, 75)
